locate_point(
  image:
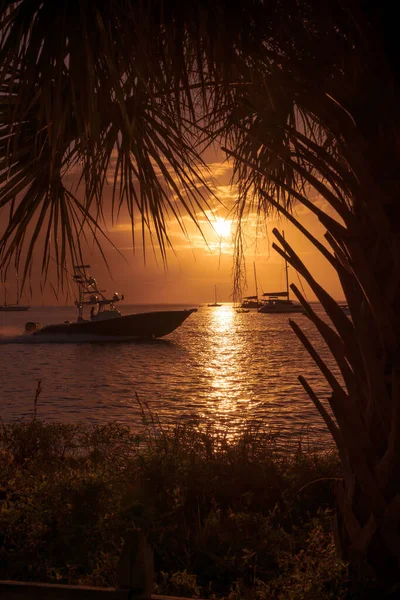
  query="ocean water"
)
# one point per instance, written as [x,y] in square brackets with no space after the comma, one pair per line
[220,367]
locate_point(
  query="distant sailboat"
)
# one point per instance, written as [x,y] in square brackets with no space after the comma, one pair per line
[280,302]
[252,301]
[215,303]
[17,307]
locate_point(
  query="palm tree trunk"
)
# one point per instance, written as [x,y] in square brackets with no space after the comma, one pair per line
[365,405]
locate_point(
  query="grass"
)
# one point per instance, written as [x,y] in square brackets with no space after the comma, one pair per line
[226,518]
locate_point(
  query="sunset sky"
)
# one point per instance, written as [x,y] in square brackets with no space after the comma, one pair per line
[195,264]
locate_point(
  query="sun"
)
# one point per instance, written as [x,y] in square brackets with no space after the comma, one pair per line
[222,227]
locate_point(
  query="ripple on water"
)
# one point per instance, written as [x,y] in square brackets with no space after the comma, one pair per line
[220,366]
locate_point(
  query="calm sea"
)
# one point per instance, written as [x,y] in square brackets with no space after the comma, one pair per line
[220,366]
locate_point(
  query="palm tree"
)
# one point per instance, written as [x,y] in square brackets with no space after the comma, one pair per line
[334,143]
[134,89]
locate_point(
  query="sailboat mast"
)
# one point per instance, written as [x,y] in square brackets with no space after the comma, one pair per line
[255,279]
[215,294]
[286,271]
[17,290]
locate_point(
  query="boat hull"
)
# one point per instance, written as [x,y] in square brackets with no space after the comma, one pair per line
[250,304]
[281,309]
[149,325]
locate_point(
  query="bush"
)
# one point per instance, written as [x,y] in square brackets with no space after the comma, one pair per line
[226,517]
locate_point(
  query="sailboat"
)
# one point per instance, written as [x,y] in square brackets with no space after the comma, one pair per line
[252,301]
[280,302]
[215,303]
[17,307]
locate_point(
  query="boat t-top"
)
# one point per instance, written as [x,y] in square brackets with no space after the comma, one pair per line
[89,295]
[105,320]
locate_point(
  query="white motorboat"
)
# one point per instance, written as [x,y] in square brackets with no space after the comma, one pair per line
[105,320]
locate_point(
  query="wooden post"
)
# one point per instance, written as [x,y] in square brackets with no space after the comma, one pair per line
[135,569]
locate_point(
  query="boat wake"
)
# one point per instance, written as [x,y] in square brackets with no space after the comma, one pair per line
[15,336]
[9,333]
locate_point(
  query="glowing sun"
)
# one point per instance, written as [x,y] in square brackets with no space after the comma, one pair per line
[222,227]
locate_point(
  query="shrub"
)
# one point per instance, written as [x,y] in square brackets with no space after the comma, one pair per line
[227,517]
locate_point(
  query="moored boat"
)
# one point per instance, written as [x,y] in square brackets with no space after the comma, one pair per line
[215,303]
[252,301]
[105,320]
[280,302]
[17,307]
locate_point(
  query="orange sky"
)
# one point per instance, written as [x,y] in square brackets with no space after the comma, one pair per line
[197,264]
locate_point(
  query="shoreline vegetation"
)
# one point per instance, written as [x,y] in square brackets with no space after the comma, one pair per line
[227,518]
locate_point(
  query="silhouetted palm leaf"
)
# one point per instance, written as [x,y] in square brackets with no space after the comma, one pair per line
[303,99]
[109,91]
[82,82]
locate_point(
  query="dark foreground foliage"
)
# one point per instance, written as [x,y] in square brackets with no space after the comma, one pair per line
[227,518]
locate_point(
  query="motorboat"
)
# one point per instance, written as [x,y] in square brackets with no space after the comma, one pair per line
[105,320]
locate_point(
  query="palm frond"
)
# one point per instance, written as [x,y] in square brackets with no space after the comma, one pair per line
[78,98]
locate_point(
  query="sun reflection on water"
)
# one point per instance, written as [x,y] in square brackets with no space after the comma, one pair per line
[222,319]
[226,357]
[221,368]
